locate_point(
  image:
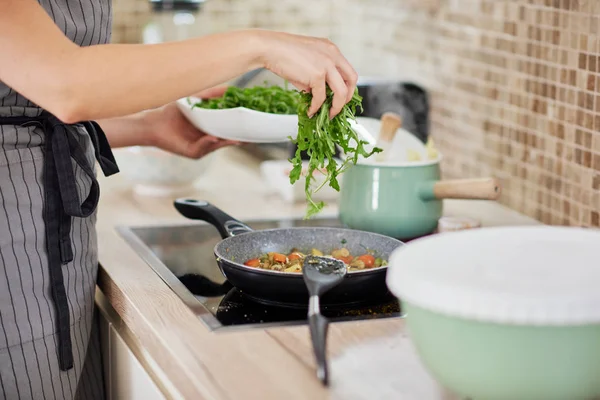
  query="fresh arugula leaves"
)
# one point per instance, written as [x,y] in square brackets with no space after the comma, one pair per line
[318,136]
[270,99]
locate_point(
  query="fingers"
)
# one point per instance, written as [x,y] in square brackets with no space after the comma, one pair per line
[223,143]
[350,76]
[216,91]
[339,75]
[200,147]
[319,94]
[300,86]
[340,91]
[206,145]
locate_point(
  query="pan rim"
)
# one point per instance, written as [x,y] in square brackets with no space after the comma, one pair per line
[223,242]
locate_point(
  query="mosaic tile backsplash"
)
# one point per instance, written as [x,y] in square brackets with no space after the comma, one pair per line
[514,85]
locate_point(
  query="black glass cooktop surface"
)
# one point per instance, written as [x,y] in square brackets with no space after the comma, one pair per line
[182,255]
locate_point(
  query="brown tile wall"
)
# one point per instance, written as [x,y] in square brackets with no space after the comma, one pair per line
[515,85]
[298,16]
[515,91]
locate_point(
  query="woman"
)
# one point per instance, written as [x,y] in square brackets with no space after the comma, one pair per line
[57,75]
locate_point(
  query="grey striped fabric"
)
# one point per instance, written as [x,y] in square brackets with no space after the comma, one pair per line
[28,346]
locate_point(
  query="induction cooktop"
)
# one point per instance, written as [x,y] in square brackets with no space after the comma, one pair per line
[182,255]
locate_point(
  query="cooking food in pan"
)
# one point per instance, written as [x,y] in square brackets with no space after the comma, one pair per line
[293,261]
[268,286]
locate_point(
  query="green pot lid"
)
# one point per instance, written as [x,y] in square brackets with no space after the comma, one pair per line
[511,275]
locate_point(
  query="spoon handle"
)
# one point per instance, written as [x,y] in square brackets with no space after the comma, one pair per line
[318,332]
[390,122]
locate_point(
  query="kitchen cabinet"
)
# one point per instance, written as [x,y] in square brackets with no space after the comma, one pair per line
[125,376]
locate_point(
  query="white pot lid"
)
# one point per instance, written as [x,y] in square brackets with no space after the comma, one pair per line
[512,275]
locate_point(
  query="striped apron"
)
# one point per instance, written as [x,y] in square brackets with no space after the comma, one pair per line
[49,345]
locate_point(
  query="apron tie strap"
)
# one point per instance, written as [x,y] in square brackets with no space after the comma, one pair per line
[62,203]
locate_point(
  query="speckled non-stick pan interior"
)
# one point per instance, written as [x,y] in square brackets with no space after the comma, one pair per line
[239,249]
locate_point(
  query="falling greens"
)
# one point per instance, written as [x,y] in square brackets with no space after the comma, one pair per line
[269,99]
[318,137]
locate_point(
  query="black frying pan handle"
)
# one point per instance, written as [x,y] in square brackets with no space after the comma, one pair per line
[204,211]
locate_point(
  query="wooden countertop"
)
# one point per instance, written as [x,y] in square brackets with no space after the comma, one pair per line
[366,358]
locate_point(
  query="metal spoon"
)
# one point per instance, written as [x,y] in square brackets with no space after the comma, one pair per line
[320,275]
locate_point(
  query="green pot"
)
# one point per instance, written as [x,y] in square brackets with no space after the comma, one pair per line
[486,361]
[403,201]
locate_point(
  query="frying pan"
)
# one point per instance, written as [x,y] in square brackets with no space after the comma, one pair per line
[240,243]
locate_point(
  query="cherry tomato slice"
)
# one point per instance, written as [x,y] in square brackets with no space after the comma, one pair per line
[255,262]
[279,258]
[368,260]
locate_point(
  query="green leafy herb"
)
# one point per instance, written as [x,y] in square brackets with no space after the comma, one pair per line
[269,99]
[318,136]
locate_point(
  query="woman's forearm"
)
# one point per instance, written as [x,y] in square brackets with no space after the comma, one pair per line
[104,81]
[153,75]
[131,130]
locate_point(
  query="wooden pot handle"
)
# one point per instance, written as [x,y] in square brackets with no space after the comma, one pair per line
[483,189]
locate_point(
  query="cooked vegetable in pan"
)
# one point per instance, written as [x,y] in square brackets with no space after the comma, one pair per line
[292,262]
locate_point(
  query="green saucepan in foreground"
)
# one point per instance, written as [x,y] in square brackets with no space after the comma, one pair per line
[403,200]
[507,313]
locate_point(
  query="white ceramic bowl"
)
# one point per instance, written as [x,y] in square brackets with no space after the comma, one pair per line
[250,126]
[156,172]
[240,123]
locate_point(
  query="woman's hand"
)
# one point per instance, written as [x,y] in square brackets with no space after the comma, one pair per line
[165,128]
[310,63]
[172,132]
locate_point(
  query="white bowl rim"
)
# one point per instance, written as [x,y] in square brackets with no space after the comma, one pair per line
[185,101]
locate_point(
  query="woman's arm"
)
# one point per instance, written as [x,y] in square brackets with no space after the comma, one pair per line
[166,128]
[83,83]
[130,130]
